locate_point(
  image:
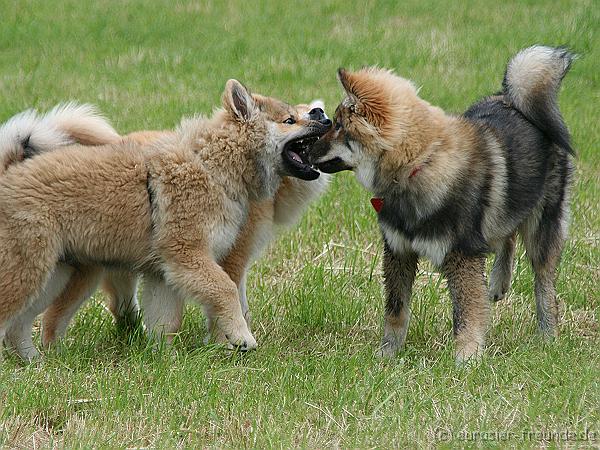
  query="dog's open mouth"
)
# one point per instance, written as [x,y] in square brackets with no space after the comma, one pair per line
[295,155]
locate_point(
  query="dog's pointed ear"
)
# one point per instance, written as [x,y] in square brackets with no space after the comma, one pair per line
[346,81]
[344,78]
[238,101]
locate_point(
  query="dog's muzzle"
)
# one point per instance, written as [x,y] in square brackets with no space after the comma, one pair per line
[318,157]
[295,151]
[332,165]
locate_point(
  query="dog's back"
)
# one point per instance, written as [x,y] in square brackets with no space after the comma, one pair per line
[524,117]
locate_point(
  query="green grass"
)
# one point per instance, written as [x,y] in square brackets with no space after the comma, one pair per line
[316,295]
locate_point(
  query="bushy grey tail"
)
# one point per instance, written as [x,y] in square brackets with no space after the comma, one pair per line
[29,133]
[531,83]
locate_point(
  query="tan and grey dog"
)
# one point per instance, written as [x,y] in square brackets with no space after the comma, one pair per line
[455,188]
[265,219]
[171,210]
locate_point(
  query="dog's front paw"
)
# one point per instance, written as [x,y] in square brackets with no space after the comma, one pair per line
[24,348]
[469,353]
[389,347]
[234,337]
[497,290]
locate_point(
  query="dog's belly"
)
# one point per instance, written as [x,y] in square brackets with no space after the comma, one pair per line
[434,249]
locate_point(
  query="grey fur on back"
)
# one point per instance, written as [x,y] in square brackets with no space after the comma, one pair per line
[531,83]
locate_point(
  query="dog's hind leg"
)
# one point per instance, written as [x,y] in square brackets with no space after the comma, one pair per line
[80,287]
[2,335]
[121,287]
[161,309]
[399,274]
[244,299]
[544,241]
[25,269]
[466,282]
[544,234]
[502,270]
[545,295]
[19,334]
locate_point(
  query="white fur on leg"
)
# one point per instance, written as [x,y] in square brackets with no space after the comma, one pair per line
[18,335]
[162,309]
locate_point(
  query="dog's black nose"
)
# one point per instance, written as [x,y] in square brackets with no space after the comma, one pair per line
[316,114]
[319,114]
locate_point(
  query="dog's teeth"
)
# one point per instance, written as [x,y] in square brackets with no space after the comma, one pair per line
[296,157]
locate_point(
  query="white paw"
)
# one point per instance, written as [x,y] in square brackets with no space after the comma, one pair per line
[28,354]
[241,339]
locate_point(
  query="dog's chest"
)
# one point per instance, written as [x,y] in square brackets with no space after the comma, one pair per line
[227,229]
[434,249]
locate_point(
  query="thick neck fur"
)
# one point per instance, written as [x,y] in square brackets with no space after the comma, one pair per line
[402,133]
[430,144]
[425,142]
[233,154]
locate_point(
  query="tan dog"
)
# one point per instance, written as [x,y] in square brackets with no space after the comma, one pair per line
[455,188]
[265,219]
[171,210]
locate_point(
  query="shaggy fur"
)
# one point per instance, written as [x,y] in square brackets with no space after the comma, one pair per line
[171,210]
[265,219]
[457,188]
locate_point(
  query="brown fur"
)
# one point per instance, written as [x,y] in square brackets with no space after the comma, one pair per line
[288,203]
[454,189]
[170,209]
[468,289]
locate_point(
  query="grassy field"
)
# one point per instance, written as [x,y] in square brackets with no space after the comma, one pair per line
[316,296]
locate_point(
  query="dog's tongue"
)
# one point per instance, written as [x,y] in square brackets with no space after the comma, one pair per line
[296,157]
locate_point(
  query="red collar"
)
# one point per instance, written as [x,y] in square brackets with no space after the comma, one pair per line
[415,171]
[377,202]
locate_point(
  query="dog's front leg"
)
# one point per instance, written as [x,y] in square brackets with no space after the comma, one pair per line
[466,282]
[399,274]
[236,266]
[249,242]
[206,281]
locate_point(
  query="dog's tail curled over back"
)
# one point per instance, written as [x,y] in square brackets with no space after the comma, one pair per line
[29,133]
[83,123]
[531,83]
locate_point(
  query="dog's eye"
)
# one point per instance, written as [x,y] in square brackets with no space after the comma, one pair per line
[289,121]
